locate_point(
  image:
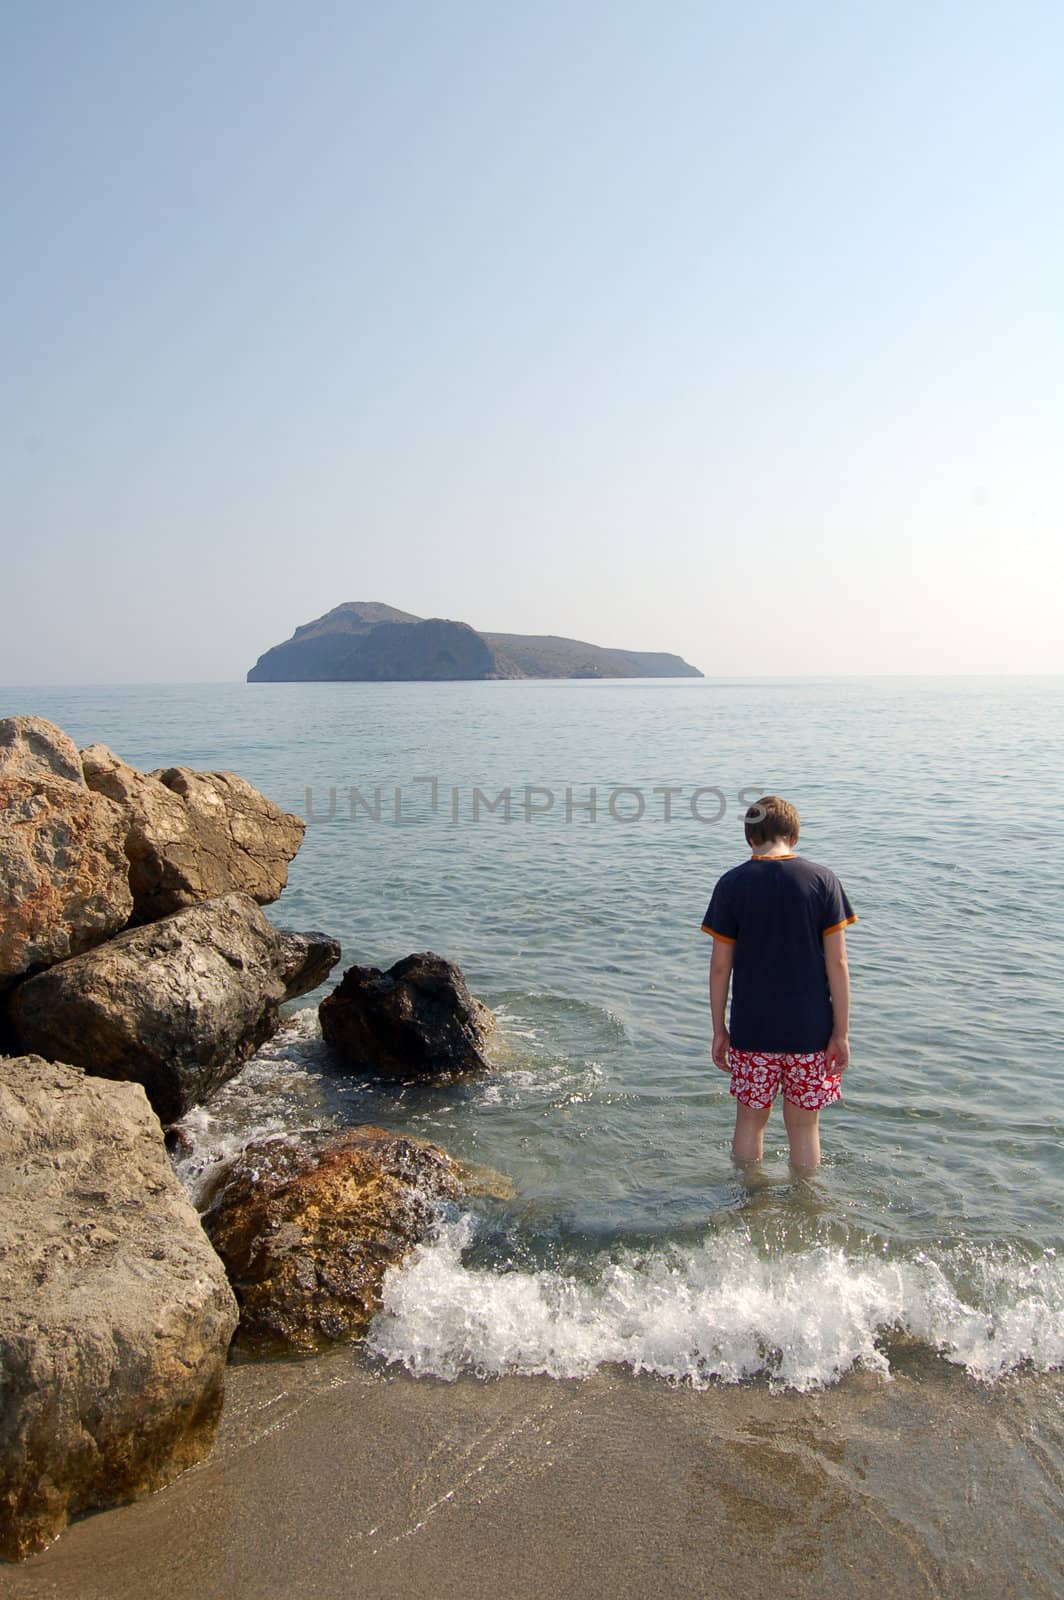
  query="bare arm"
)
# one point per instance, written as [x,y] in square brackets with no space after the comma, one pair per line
[838,971]
[720,970]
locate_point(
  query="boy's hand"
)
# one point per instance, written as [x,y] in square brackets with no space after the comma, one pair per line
[721,1045]
[838,1052]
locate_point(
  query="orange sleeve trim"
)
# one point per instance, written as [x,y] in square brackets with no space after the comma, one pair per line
[723,937]
[835,926]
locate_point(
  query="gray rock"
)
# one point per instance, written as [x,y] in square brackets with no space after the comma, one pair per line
[191,836]
[64,877]
[418,1019]
[178,1005]
[308,959]
[115,1316]
[30,747]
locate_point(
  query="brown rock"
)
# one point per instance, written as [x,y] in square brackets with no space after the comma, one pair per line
[191,836]
[257,838]
[169,868]
[64,877]
[115,1316]
[307,1232]
[418,1019]
[178,1005]
[30,747]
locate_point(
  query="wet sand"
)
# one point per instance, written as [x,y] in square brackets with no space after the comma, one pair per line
[328,1481]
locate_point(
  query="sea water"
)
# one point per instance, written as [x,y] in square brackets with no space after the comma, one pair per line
[560,841]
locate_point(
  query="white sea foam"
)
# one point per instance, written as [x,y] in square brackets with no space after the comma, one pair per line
[529,1068]
[262,1102]
[718,1312]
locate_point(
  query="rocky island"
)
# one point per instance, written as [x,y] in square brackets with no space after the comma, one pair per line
[367,642]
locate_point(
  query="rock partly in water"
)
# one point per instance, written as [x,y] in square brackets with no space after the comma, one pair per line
[416,1020]
[115,1315]
[191,836]
[64,877]
[307,959]
[30,747]
[178,1005]
[306,1233]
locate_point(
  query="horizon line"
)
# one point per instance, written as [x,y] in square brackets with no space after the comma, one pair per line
[380,683]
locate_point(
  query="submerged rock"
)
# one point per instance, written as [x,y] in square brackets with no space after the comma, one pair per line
[178,1006]
[191,836]
[115,1315]
[64,878]
[307,1232]
[418,1019]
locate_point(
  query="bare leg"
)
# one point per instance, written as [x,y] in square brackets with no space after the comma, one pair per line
[750,1124]
[803,1134]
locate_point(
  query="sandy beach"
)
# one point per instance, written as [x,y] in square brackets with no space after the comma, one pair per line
[329,1481]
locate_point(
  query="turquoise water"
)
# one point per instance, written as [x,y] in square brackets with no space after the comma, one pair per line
[940,1204]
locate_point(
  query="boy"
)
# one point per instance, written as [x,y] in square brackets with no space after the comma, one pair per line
[778,926]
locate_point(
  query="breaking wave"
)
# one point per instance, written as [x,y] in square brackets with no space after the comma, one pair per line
[720,1312]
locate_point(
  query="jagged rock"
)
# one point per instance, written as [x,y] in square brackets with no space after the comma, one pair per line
[64,877]
[418,1019]
[259,838]
[168,866]
[115,1316]
[30,747]
[191,836]
[307,1232]
[178,1005]
[308,959]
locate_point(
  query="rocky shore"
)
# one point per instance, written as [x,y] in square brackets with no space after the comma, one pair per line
[138,973]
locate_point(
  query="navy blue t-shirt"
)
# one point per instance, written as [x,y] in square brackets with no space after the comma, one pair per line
[776,910]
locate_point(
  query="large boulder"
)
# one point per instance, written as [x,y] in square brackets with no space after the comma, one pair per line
[178,1005]
[258,838]
[30,747]
[115,1315]
[307,1231]
[416,1020]
[64,877]
[191,836]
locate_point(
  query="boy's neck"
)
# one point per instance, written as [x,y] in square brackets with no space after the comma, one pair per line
[773,851]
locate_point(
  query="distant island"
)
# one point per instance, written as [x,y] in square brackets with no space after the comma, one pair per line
[367,642]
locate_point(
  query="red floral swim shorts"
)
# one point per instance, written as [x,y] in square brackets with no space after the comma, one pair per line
[756,1075]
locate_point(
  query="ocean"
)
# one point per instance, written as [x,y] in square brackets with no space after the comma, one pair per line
[560,840]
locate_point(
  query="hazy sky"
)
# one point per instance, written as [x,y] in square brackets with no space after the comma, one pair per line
[730,329]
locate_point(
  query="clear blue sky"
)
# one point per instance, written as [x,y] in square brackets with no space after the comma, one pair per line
[733,329]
